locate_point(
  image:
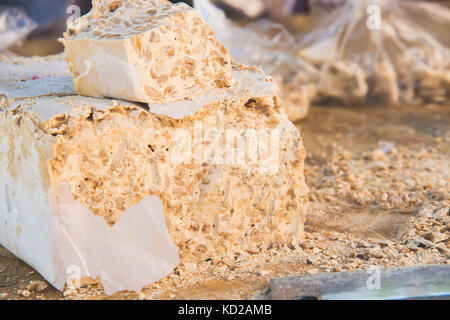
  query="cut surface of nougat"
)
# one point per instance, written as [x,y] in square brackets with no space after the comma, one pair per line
[145,51]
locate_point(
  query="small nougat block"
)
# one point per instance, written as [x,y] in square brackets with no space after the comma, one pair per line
[145,51]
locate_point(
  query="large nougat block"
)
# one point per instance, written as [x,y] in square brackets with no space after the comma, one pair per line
[145,51]
[100,184]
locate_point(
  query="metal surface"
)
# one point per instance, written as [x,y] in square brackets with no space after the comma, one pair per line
[423,282]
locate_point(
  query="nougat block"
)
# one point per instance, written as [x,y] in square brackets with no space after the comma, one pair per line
[146,51]
[119,190]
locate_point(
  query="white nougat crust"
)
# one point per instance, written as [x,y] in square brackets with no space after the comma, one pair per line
[41,222]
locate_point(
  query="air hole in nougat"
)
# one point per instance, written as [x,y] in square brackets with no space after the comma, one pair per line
[114,6]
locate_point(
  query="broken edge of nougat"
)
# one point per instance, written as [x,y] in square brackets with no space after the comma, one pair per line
[145,51]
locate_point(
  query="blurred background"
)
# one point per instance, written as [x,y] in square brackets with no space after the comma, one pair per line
[50,17]
[349,52]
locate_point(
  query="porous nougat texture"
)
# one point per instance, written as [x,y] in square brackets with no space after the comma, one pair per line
[113,158]
[145,51]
